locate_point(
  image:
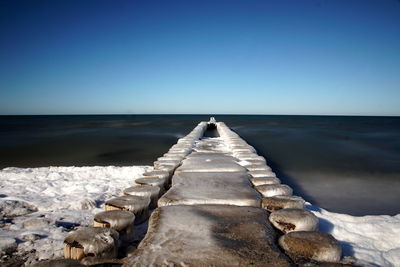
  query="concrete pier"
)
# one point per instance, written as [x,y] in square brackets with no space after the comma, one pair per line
[216,208]
[211,215]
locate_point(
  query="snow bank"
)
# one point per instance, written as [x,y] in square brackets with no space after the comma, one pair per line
[64,197]
[372,240]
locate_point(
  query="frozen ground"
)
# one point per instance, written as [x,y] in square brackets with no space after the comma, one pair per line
[65,197]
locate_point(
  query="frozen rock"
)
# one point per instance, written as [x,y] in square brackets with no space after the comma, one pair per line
[7,245]
[282,202]
[13,208]
[136,204]
[158,173]
[274,190]
[158,164]
[290,220]
[208,235]
[264,180]
[119,220]
[159,182]
[115,219]
[305,245]
[251,160]
[35,223]
[258,167]
[224,188]
[91,241]
[262,173]
[163,174]
[166,167]
[145,191]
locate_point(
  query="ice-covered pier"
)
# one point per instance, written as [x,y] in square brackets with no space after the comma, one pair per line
[213,202]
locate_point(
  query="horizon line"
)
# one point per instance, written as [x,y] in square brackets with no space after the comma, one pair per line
[197,114]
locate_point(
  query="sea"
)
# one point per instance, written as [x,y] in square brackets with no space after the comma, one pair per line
[345,164]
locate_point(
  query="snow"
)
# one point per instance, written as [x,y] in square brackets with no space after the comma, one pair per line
[372,240]
[64,196]
[61,195]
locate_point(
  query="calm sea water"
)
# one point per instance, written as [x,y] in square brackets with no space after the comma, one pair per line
[344,164]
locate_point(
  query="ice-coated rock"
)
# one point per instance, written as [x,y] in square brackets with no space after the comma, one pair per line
[158,173]
[264,180]
[119,220]
[160,182]
[95,241]
[166,167]
[145,191]
[7,245]
[208,235]
[258,167]
[250,160]
[262,173]
[306,245]
[274,190]
[290,220]
[136,204]
[13,208]
[224,188]
[158,164]
[35,223]
[282,202]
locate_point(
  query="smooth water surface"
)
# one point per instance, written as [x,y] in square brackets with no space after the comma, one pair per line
[344,164]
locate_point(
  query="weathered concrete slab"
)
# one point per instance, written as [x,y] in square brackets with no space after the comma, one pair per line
[224,188]
[205,162]
[209,235]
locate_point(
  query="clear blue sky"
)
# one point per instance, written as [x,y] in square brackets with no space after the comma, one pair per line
[232,57]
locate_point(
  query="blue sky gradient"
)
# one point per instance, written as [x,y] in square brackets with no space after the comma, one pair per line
[210,57]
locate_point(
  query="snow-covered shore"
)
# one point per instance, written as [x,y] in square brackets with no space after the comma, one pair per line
[64,197]
[372,240]
[69,196]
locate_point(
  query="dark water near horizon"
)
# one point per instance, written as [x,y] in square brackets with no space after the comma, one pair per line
[341,163]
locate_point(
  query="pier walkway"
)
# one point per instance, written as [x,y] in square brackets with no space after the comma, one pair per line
[214,209]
